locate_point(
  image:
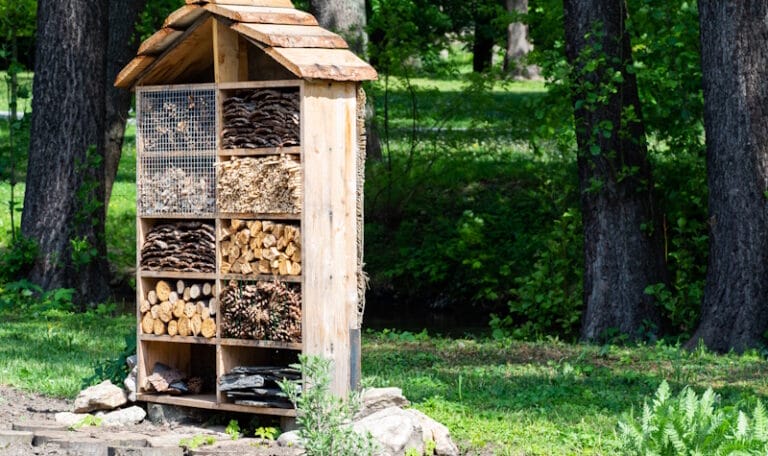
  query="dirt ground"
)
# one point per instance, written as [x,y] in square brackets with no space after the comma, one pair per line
[21,407]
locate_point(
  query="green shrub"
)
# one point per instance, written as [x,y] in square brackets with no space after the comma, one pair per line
[324,419]
[689,424]
[113,369]
[17,259]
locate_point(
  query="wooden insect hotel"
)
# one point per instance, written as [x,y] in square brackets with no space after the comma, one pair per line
[250,150]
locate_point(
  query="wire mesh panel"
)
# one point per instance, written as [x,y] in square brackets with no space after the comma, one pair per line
[176,141]
[176,119]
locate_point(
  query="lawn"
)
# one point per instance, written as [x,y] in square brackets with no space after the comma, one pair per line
[497,397]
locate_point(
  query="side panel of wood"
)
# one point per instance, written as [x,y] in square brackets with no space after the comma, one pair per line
[227,55]
[329,228]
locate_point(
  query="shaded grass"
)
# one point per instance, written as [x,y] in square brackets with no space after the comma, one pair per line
[545,398]
[53,354]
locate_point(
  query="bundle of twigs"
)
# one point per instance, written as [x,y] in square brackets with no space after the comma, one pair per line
[262,311]
[261,185]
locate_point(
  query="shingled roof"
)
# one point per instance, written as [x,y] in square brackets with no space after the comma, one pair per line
[291,37]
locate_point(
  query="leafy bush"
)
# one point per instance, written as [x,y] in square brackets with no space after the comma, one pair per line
[691,425]
[17,259]
[113,369]
[324,419]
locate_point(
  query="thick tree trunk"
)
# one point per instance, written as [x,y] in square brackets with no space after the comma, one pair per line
[518,45]
[121,47]
[346,17]
[482,46]
[623,252]
[735,70]
[64,191]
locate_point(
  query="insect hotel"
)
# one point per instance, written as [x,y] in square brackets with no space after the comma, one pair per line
[250,151]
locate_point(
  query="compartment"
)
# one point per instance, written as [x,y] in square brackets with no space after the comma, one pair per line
[267,185]
[176,183]
[178,246]
[178,308]
[163,364]
[261,310]
[258,118]
[175,119]
[249,376]
[253,247]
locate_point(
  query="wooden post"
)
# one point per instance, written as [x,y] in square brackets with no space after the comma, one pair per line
[229,57]
[329,140]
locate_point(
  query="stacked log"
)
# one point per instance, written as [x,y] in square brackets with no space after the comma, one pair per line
[168,380]
[261,311]
[261,118]
[257,386]
[180,247]
[186,309]
[269,185]
[255,247]
[175,190]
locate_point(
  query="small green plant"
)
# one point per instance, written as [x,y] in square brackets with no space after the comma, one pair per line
[324,418]
[691,425]
[113,369]
[87,421]
[196,441]
[266,433]
[233,429]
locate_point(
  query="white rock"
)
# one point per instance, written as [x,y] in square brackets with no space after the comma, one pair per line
[104,396]
[432,430]
[395,429]
[290,439]
[375,399]
[130,384]
[123,417]
[69,418]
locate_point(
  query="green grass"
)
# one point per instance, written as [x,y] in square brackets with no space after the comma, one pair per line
[544,398]
[53,354]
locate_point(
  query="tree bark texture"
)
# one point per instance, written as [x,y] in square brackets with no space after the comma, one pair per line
[518,45]
[122,45]
[735,70]
[622,249]
[345,17]
[65,175]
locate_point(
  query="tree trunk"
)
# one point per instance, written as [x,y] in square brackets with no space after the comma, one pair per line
[734,311]
[482,46]
[121,47]
[345,17]
[518,45]
[622,248]
[64,193]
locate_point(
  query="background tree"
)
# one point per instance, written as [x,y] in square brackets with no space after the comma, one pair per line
[121,47]
[63,204]
[518,44]
[346,17]
[734,58]
[622,242]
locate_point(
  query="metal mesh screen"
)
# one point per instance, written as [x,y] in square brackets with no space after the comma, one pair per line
[176,140]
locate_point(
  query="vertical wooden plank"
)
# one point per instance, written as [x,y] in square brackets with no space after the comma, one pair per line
[226,53]
[329,228]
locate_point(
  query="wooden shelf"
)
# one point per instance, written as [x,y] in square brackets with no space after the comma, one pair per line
[208,401]
[177,275]
[261,344]
[176,215]
[293,150]
[258,216]
[262,277]
[178,339]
